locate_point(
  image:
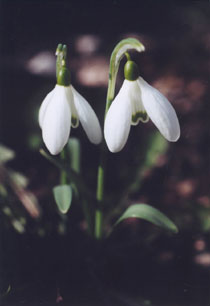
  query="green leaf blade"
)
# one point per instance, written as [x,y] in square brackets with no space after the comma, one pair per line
[6,154]
[63,197]
[73,149]
[148,213]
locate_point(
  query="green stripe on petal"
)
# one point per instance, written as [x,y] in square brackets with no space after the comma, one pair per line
[138,111]
[139,116]
[74,122]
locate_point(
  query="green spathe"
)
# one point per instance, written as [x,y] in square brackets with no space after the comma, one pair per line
[63,77]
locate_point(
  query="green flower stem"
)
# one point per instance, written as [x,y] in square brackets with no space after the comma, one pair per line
[101,168]
[61,53]
[128,56]
[63,175]
[119,51]
[100,195]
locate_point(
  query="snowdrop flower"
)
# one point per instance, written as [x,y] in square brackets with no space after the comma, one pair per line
[138,101]
[62,108]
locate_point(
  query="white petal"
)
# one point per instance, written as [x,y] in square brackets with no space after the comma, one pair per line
[44,106]
[87,117]
[57,121]
[74,114]
[160,111]
[118,120]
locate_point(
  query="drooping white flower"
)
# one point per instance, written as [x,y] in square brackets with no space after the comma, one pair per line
[138,101]
[62,108]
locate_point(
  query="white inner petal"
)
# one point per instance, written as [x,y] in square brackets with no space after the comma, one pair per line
[138,110]
[160,111]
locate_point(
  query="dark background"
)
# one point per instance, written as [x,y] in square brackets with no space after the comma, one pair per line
[137,264]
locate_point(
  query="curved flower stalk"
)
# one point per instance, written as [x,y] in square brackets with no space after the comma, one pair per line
[119,51]
[138,101]
[64,107]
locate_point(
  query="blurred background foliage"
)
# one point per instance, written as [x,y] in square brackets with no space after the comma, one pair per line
[42,249]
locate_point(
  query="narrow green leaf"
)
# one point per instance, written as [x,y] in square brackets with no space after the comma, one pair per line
[20,179]
[73,176]
[3,191]
[6,154]
[149,213]
[63,197]
[6,292]
[157,145]
[73,147]
[18,226]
